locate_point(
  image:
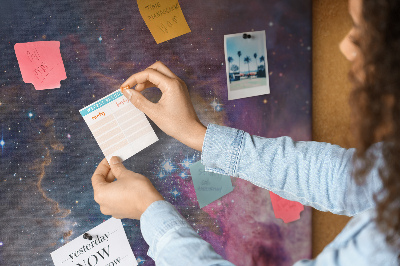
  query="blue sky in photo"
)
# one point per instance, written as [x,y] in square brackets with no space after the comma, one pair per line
[248,47]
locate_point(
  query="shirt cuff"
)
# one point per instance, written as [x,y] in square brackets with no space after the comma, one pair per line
[158,219]
[222,148]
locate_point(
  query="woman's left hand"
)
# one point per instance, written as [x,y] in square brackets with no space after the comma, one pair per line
[127,197]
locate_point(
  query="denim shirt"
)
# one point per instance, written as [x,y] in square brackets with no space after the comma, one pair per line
[312,173]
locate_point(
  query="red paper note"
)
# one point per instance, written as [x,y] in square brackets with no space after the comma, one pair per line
[286,210]
[41,63]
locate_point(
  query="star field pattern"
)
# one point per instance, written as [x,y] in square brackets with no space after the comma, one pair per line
[48,154]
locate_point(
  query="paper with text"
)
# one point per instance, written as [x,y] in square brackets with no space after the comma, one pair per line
[118,126]
[209,186]
[284,209]
[164,18]
[109,246]
[41,63]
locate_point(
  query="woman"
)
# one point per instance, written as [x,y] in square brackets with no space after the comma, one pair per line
[360,182]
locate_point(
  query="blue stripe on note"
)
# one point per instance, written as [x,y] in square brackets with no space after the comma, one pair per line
[96,105]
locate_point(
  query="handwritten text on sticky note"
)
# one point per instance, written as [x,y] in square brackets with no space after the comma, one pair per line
[108,246]
[209,186]
[164,18]
[284,209]
[41,63]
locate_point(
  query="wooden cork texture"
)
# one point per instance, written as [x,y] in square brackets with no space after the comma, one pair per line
[331,89]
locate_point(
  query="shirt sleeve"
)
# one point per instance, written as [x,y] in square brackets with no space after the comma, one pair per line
[172,241]
[316,174]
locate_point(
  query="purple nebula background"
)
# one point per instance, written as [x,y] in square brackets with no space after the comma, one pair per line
[49,154]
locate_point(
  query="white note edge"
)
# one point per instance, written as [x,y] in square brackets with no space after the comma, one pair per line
[108,247]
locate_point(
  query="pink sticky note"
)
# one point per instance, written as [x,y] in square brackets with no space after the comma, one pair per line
[41,63]
[284,209]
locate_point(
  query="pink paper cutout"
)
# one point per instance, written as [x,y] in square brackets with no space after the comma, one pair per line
[41,63]
[284,209]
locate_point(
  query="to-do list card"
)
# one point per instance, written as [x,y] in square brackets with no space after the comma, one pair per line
[118,126]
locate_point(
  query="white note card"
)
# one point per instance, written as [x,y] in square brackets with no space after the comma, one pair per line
[118,126]
[109,247]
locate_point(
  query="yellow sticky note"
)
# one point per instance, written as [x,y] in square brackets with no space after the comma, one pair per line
[164,18]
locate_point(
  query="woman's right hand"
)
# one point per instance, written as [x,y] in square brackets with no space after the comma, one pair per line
[173,113]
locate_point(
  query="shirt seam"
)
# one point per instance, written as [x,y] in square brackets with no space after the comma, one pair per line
[238,152]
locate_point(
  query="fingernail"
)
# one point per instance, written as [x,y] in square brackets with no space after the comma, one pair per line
[129,92]
[115,160]
[124,88]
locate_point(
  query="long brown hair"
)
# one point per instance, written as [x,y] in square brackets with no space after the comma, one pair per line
[375,101]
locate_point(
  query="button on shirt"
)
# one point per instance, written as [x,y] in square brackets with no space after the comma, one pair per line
[312,173]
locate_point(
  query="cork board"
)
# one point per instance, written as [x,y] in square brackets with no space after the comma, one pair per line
[331,89]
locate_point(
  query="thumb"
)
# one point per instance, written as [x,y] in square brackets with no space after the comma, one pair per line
[117,167]
[138,100]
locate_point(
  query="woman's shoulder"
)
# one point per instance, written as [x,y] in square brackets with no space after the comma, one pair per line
[361,240]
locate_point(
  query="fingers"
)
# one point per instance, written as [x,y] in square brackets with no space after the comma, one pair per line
[100,175]
[160,67]
[107,211]
[156,75]
[104,210]
[143,86]
[117,167]
[110,177]
[118,216]
[159,80]
[140,102]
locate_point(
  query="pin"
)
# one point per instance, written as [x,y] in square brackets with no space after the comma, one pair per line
[246,36]
[87,236]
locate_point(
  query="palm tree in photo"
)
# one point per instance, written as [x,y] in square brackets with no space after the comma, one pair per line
[230,60]
[239,54]
[247,60]
[234,68]
[255,60]
[262,59]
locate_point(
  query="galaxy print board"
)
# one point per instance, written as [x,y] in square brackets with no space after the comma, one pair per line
[48,153]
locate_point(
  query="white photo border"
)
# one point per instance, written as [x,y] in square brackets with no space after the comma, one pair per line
[248,92]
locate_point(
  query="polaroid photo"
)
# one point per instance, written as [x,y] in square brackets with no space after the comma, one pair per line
[246,64]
